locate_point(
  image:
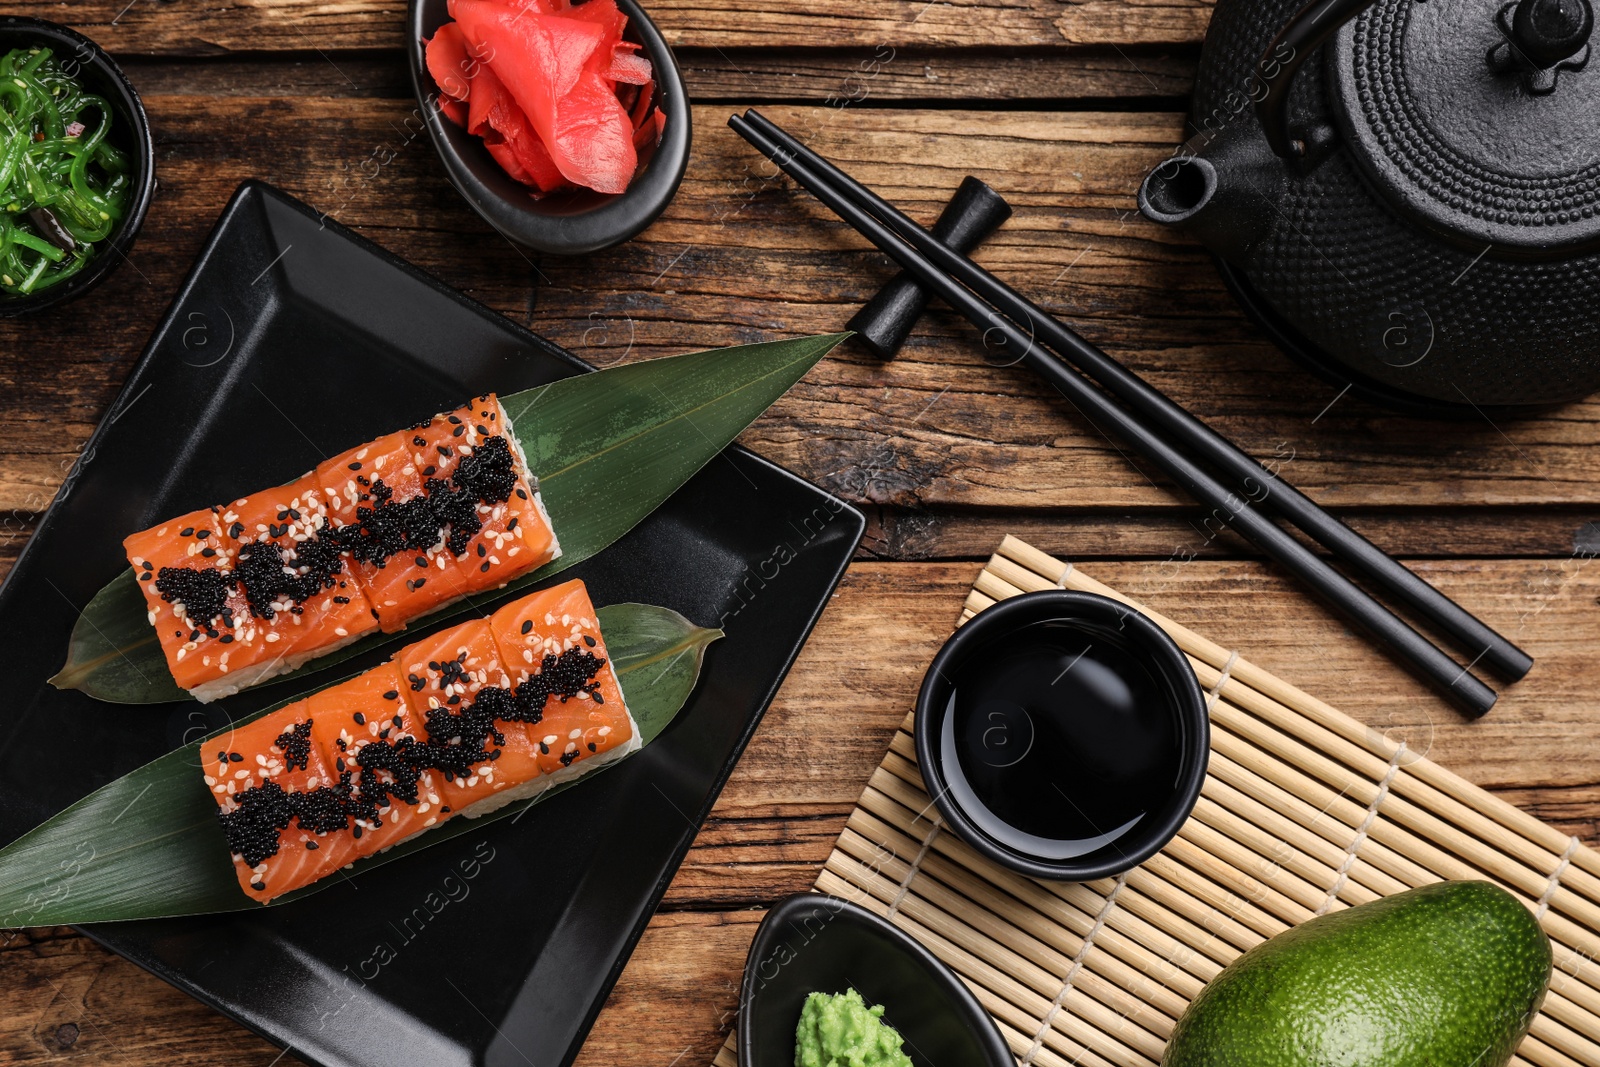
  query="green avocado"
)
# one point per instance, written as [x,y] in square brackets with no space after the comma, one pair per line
[1448,975]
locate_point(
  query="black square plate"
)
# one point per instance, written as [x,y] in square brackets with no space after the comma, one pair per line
[500,946]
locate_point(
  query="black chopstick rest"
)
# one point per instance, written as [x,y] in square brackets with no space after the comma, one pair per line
[885,321]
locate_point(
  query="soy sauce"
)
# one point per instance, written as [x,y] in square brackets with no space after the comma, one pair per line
[1058,741]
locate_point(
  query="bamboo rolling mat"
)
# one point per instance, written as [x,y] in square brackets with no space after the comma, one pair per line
[1304,811]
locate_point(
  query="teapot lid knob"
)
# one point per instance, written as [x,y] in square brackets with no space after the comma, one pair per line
[1548,31]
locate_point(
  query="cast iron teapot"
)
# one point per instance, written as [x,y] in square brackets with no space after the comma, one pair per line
[1417,214]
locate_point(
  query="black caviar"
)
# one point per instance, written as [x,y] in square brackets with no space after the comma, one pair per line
[382,529]
[457,742]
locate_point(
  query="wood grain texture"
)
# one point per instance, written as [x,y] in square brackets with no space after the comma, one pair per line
[149,27]
[789,797]
[739,257]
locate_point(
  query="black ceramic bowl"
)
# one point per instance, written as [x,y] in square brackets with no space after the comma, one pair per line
[1166,676]
[812,943]
[130,132]
[565,223]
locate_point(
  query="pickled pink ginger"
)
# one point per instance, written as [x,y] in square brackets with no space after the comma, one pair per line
[548,86]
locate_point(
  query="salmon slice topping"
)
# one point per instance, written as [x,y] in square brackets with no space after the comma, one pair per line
[375,536]
[451,725]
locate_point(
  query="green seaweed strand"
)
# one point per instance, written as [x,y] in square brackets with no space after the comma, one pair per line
[54,155]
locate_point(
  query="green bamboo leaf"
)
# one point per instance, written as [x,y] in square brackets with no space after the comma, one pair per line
[148,845]
[608,449]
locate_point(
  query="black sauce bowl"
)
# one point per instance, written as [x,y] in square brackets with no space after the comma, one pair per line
[1134,635]
[812,943]
[130,131]
[570,222]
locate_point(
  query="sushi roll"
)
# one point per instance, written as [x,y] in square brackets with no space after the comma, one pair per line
[374,537]
[461,723]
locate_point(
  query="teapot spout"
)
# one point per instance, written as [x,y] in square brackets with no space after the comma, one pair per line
[1224,188]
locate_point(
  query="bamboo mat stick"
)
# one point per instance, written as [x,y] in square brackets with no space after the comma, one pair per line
[1042,916]
[1026,985]
[1304,810]
[1077,900]
[1163,932]
[1001,993]
[1024,942]
[1194,920]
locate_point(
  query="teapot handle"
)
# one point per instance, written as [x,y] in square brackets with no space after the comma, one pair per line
[1311,26]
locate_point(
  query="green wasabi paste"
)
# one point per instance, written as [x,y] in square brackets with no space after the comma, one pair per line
[840,1030]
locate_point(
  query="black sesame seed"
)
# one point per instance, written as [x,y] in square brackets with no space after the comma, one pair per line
[392,695]
[311,845]
[588,640]
[187,531]
[259,887]
[527,625]
[361,720]
[482,551]
[355,466]
[235,757]
[397,721]
[484,568]
[202,534]
[227,639]
[422,561]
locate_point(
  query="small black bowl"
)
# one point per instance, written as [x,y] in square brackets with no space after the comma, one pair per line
[130,132]
[810,943]
[569,222]
[1164,674]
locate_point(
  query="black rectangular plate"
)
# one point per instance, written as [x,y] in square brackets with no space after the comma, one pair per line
[500,946]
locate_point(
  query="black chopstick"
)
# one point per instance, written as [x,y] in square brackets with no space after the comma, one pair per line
[1471,635]
[1455,682]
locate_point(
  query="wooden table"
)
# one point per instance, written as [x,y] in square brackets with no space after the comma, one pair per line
[1062,106]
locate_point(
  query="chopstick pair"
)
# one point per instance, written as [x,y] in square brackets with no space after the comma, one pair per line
[1157,426]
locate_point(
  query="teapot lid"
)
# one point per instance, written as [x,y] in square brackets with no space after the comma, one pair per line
[1477,117]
